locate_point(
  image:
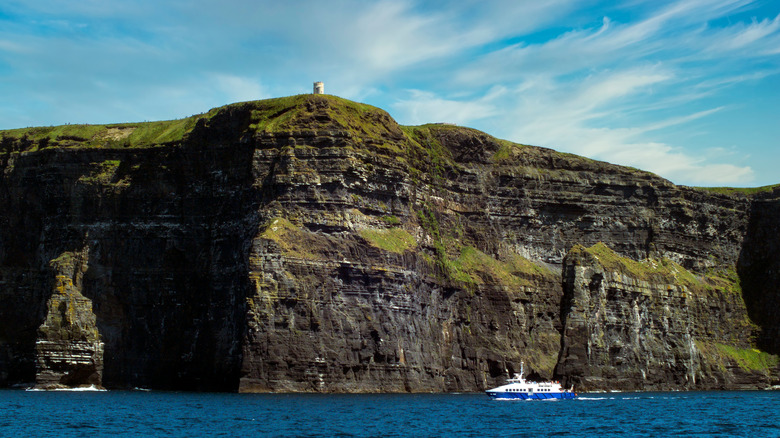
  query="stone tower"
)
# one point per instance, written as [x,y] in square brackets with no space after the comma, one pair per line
[319,87]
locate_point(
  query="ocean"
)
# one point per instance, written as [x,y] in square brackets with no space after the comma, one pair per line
[171,414]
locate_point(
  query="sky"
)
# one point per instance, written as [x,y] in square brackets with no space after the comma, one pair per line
[689,90]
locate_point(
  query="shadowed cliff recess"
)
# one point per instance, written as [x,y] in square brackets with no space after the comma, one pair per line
[310,243]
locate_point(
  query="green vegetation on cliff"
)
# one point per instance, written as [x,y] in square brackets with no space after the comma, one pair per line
[294,241]
[749,359]
[740,190]
[285,114]
[460,262]
[655,270]
[475,267]
[103,173]
[395,239]
[305,111]
[663,270]
[143,134]
[430,146]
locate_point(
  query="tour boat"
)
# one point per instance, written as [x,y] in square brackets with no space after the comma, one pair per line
[519,388]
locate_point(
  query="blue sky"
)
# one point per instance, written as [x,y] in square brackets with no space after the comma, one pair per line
[687,89]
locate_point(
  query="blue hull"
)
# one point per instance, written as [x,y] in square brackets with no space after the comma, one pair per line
[534,396]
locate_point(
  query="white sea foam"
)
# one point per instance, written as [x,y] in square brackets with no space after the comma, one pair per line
[91,388]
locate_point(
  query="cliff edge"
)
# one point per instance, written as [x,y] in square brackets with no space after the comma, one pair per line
[310,243]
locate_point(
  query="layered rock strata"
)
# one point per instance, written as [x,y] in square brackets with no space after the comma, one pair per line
[68,349]
[312,244]
[653,325]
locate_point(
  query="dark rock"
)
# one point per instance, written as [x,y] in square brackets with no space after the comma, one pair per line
[312,244]
[639,326]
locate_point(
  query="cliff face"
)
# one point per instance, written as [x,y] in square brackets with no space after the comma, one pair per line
[759,268]
[637,325]
[312,244]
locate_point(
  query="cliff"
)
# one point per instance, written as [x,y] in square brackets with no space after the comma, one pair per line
[311,243]
[653,325]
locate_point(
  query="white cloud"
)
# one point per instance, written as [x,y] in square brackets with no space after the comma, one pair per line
[580,117]
[740,36]
[424,107]
[674,121]
[605,91]
[237,89]
[603,81]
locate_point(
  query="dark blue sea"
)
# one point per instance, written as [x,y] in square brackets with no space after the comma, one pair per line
[164,414]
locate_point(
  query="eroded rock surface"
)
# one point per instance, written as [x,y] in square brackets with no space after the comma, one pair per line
[312,244]
[652,325]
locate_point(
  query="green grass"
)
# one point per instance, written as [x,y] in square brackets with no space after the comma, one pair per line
[396,240]
[507,152]
[468,265]
[426,152]
[740,190]
[663,270]
[152,133]
[103,173]
[429,223]
[319,112]
[749,359]
[285,114]
[725,279]
[76,132]
[473,266]
[391,220]
[293,241]
[143,134]
[721,279]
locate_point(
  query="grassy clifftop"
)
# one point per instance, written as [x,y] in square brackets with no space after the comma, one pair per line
[437,145]
[741,190]
[141,134]
[268,116]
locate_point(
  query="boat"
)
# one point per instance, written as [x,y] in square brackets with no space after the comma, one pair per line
[521,389]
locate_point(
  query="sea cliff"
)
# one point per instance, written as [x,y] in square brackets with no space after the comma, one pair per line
[311,243]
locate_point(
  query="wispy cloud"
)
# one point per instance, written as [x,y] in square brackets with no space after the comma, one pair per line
[239,88]
[605,91]
[604,79]
[740,36]
[424,107]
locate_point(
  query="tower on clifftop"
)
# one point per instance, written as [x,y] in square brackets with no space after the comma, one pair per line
[319,87]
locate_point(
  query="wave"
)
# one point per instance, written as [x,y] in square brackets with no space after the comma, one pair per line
[91,388]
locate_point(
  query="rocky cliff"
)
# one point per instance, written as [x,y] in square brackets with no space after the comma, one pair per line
[652,324]
[312,244]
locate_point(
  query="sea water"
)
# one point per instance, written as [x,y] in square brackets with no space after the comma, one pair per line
[166,414]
